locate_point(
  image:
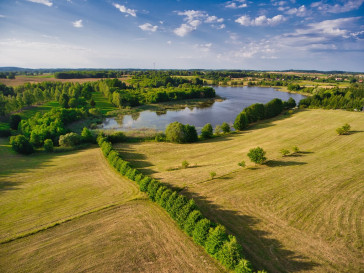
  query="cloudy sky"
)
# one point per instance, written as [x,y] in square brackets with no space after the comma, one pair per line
[236,34]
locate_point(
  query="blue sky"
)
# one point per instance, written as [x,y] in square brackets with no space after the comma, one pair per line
[183,34]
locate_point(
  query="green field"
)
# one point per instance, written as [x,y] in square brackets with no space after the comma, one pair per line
[102,103]
[303,212]
[69,212]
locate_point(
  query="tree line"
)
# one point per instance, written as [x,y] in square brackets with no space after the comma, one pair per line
[213,237]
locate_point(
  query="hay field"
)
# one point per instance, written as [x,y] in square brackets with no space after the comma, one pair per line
[299,213]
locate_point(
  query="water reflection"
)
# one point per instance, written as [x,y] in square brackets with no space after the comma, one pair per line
[214,112]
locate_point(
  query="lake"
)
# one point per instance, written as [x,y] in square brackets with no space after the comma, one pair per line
[235,100]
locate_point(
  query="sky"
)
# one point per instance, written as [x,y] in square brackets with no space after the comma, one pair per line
[183,34]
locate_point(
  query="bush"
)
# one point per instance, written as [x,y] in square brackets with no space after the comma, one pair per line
[212,174]
[257,155]
[160,137]
[87,136]
[185,164]
[117,137]
[215,239]
[218,130]
[106,148]
[191,133]
[153,188]
[14,121]
[343,130]
[124,167]
[94,112]
[206,131]
[183,213]
[138,178]
[244,266]
[225,127]
[242,164]
[159,193]
[273,108]
[144,183]
[179,133]
[290,103]
[69,140]
[230,253]
[255,112]
[48,145]
[36,139]
[295,149]
[191,221]
[21,144]
[241,122]
[284,152]
[178,204]
[201,231]
[170,202]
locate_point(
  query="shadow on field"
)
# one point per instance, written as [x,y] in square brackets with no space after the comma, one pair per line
[263,251]
[279,163]
[137,160]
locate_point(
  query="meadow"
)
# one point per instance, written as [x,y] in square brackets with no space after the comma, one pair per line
[67,212]
[302,212]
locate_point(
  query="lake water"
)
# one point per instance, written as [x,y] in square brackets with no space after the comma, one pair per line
[236,99]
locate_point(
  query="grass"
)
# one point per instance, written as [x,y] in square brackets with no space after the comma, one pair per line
[102,103]
[303,212]
[70,212]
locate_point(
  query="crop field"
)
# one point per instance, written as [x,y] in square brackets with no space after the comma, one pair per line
[68,212]
[303,212]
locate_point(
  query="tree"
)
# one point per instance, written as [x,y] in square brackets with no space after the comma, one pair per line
[70,140]
[185,164]
[201,231]
[179,133]
[284,152]
[63,100]
[257,155]
[218,129]
[48,145]
[212,174]
[215,239]
[225,127]
[207,131]
[14,121]
[87,135]
[230,253]
[21,144]
[92,103]
[241,121]
[344,130]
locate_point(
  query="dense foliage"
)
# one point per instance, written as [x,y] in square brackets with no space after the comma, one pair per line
[257,155]
[180,133]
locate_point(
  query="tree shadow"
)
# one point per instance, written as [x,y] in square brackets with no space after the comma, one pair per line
[258,245]
[355,132]
[279,163]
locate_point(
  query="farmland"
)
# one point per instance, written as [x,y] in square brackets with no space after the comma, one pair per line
[73,207]
[303,212]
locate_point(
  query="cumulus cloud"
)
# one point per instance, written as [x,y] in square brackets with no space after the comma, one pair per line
[204,47]
[44,2]
[77,23]
[236,4]
[346,6]
[194,18]
[126,10]
[262,20]
[301,11]
[148,27]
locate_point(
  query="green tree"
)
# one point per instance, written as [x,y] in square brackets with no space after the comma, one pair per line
[243,266]
[257,155]
[14,121]
[207,131]
[241,122]
[284,152]
[344,130]
[21,144]
[63,100]
[87,135]
[216,238]
[225,127]
[175,132]
[230,253]
[201,231]
[69,140]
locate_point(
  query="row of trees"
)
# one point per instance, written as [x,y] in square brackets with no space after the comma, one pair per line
[211,236]
[259,111]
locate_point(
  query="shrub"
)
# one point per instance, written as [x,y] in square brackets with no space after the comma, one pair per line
[87,136]
[201,231]
[178,204]
[164,198]
[69,140]
[138,178]
[206,131]
[230,253]
[179,133]
[185,164]
[191,221]
[244,266]
[21,144]
[216,238]
[242,164]
[132,173]
[159,193]
[343,130]
[212,174]
[255,112]
[295,149]
[225,127]
[273,108]
[117,137]
[36,139]
[218,129]
[94,112]
[241,121]
[284,152]
[124,167]
[257,155]
[111,156]
[48,145]
[170,202]
[183,213]
[14,121]
[144,183]
[191,133]
[290,103]
[160,137]
[106,148]
[101,139]
[153,188]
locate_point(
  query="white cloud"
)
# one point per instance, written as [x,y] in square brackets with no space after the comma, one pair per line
[262,20]
[222,26]
[2,16]
[237,4]
[44,2]
[301,11]
[77,23]
[124,9]
[204,47]
[347,5]
[169,42]
[148,27]
[214,19]
[183,30]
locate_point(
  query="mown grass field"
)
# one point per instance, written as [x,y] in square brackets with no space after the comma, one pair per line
[303,212]
[70,212]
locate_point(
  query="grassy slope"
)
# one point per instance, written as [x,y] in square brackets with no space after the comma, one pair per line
[112,226]
[297,213]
